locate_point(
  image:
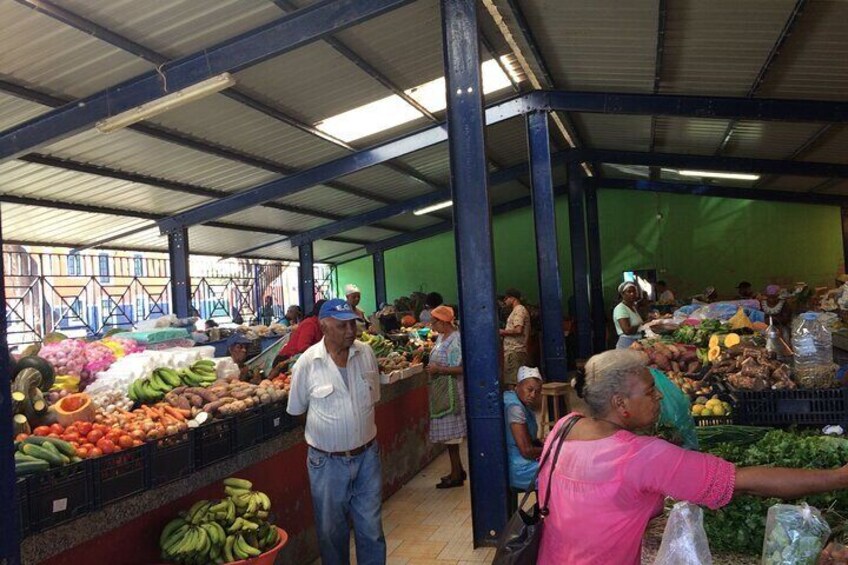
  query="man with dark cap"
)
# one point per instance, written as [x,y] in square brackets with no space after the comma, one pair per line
[515,336]
[744,291]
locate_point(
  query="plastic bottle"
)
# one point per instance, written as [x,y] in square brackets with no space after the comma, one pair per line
[812,342]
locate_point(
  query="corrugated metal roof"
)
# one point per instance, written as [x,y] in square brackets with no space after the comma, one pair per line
[324,249]
[228,123]
[331,201]
[131,151]
[434,162]
[386,182]
[506,142]
[687,135]
[368,233]
[276,219]
[39,50]
[177,27]
[609,131]
[14,111]
[833,149]
[768,140]
[815,63]
[596,44]
[838,188]
[718,47]
[39,181]
[624,171]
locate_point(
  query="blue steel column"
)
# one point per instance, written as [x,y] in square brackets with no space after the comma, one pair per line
[845,238]
[307,278]
[379,278]
[596,281]
[579,260]
[475,267]
[10,540]
[547,250]
[180,277]
[257,290]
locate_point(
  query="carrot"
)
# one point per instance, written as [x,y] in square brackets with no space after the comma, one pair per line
[150,412]
[174,412]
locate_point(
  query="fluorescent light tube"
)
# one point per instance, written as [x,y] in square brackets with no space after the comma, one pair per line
[434,207]
[167,102]
[713,175]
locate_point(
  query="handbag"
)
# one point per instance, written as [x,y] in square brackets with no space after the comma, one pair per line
[443,396]
[519,542]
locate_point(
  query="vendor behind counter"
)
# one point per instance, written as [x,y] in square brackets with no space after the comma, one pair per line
[237,345]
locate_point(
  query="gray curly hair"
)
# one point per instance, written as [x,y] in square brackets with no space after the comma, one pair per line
[606,376]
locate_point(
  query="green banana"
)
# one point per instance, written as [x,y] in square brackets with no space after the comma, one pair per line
[211,532]
[228,549]
[168,376]
[264,501]
[157,384]
[234,492]
[236,483]
[169,529]
[236,526]
[245,547]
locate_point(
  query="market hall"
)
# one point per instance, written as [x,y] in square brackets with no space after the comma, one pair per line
[172,163]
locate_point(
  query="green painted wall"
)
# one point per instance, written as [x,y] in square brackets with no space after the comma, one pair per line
[360,273]
[691,241]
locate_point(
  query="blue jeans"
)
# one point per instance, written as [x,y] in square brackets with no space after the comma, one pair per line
[348,490]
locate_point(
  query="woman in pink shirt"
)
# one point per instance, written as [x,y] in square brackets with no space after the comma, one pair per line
[609,482]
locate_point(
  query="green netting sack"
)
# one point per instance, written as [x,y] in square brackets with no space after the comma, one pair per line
[675,410]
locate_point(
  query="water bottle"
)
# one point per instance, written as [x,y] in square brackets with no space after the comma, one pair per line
[813,350]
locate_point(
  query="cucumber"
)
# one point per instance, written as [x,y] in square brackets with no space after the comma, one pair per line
[22,458]
[54,459]
[61,446]
[27,467]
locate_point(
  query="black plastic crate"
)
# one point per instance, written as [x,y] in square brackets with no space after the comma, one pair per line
[213,442]
[275,419]
[59,495]
[249,430]
[122,474]
[800,407]
[22,496]
[171,458]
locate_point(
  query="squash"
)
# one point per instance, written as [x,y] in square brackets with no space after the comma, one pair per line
[713,353]
[731,340]
[40,365]
[73,408]
[714,341]
[740,321]
[21,425]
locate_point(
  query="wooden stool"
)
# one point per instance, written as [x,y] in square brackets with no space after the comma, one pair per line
[553,392]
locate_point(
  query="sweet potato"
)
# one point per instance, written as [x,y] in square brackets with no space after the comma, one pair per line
[662,362]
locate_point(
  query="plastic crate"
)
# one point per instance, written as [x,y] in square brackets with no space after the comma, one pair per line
[213,442]
[59,495]
[800,407]
[702,421]
[249,428]
[119,475]
[22,496]
[275,419]
[171,458]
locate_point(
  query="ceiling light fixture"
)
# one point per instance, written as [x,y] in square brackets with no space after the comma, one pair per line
[167,102]
[434,207]
[714,175]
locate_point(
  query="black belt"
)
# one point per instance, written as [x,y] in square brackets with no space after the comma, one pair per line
[351,453]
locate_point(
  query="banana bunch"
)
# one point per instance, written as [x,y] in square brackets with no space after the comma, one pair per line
[380,345]
[163,380]
[231,529]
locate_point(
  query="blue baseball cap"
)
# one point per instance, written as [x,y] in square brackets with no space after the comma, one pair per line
[338,309]
[236,339]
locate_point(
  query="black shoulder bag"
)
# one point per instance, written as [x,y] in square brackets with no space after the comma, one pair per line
[519,542]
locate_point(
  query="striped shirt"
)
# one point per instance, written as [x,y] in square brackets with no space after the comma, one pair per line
[339,415]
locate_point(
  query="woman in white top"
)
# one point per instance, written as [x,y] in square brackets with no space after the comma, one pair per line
[625,316]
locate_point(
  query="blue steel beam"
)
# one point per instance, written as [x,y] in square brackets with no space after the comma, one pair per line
[180,272]
[712,107]
[596,282]
[475,269]
[547,250]
[379,262]
[306,271]
[339,167]
[579,261]
[10,535]
[233,55]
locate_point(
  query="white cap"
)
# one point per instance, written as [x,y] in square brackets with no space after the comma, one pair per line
[528,373]
[351,289]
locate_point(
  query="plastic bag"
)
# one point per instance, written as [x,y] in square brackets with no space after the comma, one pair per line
[795,535]
[675,409]
[684,540]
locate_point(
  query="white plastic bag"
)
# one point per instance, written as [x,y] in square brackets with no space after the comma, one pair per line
[684,540]
[795,535]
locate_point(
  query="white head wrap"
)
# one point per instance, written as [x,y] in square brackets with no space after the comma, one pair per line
[351,289]
[528,373]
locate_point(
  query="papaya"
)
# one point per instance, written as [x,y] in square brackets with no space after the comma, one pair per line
[714,353]
[731,340]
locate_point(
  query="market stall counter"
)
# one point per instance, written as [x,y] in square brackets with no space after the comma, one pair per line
[127,530]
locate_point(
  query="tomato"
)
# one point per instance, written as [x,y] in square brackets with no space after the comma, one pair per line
[57,436]
[103,428]
[72,429]
[84,428]
[21,437]
[114,435]
[125,441]
[137,442]
[82,452]
[41,430]
[106,446]
[71,437]
[94,452]
[57,429]
[94,436]
[75,444]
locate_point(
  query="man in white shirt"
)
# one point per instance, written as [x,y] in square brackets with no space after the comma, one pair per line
[336,383]
[515,337]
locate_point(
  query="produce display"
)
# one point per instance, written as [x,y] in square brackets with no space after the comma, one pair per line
[752,368]
[224,397]
[391,357]
[678,358]
[163,380]
[38,453]
[221,531]
[77,441]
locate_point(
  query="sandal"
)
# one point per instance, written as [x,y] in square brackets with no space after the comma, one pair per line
[450,483]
